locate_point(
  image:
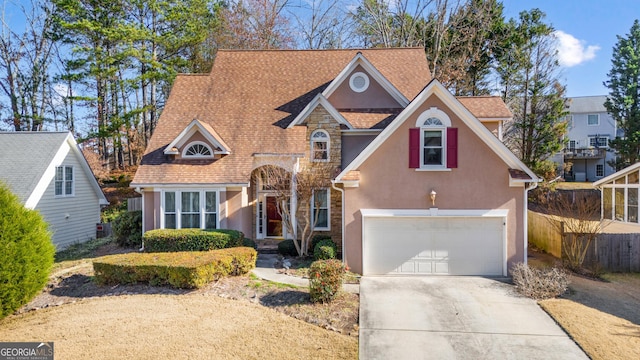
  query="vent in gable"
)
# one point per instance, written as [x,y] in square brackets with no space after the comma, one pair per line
[359,82]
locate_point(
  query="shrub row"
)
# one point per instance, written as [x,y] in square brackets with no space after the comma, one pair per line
[178,269]
[171,240]
[539,283]
[287,248]
[325,280]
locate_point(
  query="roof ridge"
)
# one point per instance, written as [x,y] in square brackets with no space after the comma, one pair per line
[320,50]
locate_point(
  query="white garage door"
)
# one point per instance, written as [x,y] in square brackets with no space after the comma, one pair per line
[433,245]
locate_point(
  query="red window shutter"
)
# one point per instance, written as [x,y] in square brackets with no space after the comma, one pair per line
[452,148]
[414,148]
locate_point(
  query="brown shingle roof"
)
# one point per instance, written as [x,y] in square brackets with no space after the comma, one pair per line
[486,107]
[369,120]
[250,97]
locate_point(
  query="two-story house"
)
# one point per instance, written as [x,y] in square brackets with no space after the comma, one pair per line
[421,182]
[587,154]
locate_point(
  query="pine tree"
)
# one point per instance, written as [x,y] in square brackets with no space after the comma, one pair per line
[623,102]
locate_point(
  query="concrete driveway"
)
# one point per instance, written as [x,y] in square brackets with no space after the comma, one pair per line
[455,317]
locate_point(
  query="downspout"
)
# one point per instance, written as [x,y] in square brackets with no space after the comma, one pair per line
[526,218]
[344,249]
[139,190]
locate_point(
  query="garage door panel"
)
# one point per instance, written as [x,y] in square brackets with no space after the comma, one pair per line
[432,245]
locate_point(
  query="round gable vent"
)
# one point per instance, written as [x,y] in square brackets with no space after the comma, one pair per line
[359,82]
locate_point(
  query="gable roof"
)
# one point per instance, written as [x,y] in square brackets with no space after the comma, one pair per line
[436,88]
[249,99]
[196,126]
[587,104]
[28,175]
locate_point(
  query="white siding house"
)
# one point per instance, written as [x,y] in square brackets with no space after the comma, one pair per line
[48,173]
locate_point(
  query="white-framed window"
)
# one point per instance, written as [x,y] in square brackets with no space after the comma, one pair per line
[320,142]
[63,183]
[320,208]
[572,145]
[593,119]
[197,149]
[187,209]
[599,170]
[599,141]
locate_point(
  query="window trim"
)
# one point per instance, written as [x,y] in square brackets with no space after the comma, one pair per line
[596,140]
[445,123]
[601,168]
[64,181]
[313,210]
[597,120]
[326,140]
[178,206]
[197,156]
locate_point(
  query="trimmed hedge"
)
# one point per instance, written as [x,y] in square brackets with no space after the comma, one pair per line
[287,247]
[127,229]
[317,238]
[26,253]
[172,240]
[325,250]
[325,279]
[178,269]
[249,243]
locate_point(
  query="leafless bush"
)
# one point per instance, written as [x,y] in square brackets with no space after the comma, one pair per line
[539,283]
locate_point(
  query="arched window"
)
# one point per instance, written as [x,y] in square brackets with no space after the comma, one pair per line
[197,149]
[320,145]
[433,144]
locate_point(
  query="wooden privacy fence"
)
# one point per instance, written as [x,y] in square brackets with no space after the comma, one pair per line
[614,252]
[134,204]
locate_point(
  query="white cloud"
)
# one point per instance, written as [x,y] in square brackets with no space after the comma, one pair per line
[572,51]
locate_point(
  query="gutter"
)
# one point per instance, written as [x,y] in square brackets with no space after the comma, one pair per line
[344,250]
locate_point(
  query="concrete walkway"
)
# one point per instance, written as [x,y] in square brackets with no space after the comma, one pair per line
[455,317]
[265,269]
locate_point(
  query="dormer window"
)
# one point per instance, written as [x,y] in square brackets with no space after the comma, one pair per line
[320,146]
[197,149]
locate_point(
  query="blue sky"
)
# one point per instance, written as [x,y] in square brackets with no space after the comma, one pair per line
[594,24]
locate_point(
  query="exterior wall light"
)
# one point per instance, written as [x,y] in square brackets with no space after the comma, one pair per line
[433,197]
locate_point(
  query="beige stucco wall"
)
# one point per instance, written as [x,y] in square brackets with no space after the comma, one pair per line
[239,217]
[480,182]
[151,204]
[375,97]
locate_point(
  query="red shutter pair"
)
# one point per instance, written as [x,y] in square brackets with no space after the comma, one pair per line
[452,148]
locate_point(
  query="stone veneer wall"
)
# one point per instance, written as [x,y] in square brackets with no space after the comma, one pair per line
[320,119]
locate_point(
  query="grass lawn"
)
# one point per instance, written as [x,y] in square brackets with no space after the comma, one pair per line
[193,326]
[603,317]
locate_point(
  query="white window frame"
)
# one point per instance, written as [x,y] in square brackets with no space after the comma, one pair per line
[600,170]
[597,119]
[326,140]
[64,181]
[178,206]
[328,208]
[571,145]
[595,140]
[426,123]
[197,156]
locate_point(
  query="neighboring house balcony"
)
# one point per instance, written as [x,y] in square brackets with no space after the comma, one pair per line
[593,153]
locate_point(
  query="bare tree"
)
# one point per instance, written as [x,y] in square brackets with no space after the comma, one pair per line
[577,218]
[294,194]
[323,24]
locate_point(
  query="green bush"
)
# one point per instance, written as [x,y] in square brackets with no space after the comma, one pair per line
[171,240]
[287,248]
[26,253]
[249,243]
[325,279]
[127,229]
[178,269]
[325,250]
[317,238]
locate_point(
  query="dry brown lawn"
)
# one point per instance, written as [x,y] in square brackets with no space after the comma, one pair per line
[188,326]
[601,335]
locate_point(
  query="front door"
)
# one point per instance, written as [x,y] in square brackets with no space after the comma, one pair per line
[273,218]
